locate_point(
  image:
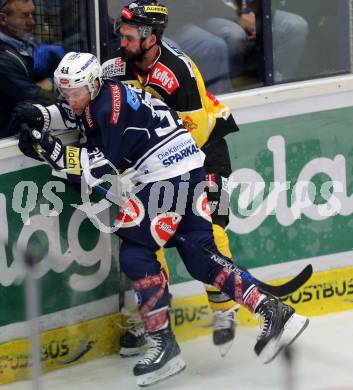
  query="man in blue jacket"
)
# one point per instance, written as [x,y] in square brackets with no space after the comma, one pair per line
[24,71]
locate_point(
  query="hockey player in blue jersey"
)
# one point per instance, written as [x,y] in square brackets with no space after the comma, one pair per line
[147,143]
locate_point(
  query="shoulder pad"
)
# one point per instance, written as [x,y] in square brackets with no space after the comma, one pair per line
[172,48]
[181,56]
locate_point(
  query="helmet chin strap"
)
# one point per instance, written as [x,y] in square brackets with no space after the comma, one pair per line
[143,51]
[95,92]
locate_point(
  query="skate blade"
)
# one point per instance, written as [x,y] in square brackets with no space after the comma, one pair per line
[173,367]
[225,348]
[291,331]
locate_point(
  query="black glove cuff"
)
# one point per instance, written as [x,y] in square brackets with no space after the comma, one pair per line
[46,116]
[28,147]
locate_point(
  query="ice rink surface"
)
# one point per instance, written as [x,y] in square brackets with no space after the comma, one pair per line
[322,360]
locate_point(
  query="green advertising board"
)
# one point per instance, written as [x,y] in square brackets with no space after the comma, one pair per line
[302,220]
[291,199]
[76,263]
[291,191]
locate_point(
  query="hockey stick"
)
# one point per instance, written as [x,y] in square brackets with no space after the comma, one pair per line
[121,291]
[281,290]
[32,308]
[122,284]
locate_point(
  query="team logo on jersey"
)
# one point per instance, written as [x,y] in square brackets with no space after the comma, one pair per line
[131,98]
[189,124]
[213,98]
[223,110]
[131,213]
[120,65]
[203,207]
[163,227]
[113,68]
[116,103]
[88,116]
[164,78]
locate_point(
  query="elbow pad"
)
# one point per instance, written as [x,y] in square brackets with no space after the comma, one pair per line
[62,117]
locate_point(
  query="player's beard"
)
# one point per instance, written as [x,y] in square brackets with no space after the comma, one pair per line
[133,57]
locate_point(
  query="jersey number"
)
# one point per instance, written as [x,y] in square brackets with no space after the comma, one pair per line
[170,126]
[169,122]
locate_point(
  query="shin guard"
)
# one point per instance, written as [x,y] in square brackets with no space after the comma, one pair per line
[153,301]
[239,289]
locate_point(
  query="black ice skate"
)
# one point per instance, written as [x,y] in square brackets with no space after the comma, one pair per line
[224,329]
[280,328]
[161,360]
[134,341]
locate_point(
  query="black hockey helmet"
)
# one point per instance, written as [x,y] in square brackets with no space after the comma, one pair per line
[146,13]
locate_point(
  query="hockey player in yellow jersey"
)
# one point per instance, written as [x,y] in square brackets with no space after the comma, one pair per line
[149,63]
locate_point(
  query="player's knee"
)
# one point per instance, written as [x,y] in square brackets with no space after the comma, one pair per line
[137,261]
[126,265]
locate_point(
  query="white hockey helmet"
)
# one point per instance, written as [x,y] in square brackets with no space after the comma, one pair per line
[77,70]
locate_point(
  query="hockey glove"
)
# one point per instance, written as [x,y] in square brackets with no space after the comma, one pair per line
[28,147]
[34,116]
[49,147]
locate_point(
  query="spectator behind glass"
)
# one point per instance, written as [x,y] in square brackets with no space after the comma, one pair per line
[25,67]
[210,33]
[289,34]
[207,40]
[220,35]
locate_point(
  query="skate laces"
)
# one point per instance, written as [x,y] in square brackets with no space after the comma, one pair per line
[225,319]
[134,323]
[264,321]
[264,324]
[155,346]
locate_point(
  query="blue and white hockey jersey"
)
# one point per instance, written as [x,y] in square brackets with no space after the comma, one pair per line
[138,134]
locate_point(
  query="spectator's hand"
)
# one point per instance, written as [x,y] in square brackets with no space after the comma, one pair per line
[34,116]
[46,59]
[248,22]
[46,84]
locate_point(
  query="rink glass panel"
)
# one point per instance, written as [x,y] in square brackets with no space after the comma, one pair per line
[327,48]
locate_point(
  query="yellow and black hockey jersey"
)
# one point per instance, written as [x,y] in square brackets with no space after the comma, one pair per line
[175,80]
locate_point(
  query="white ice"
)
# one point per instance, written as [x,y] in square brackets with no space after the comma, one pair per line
[322,360]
